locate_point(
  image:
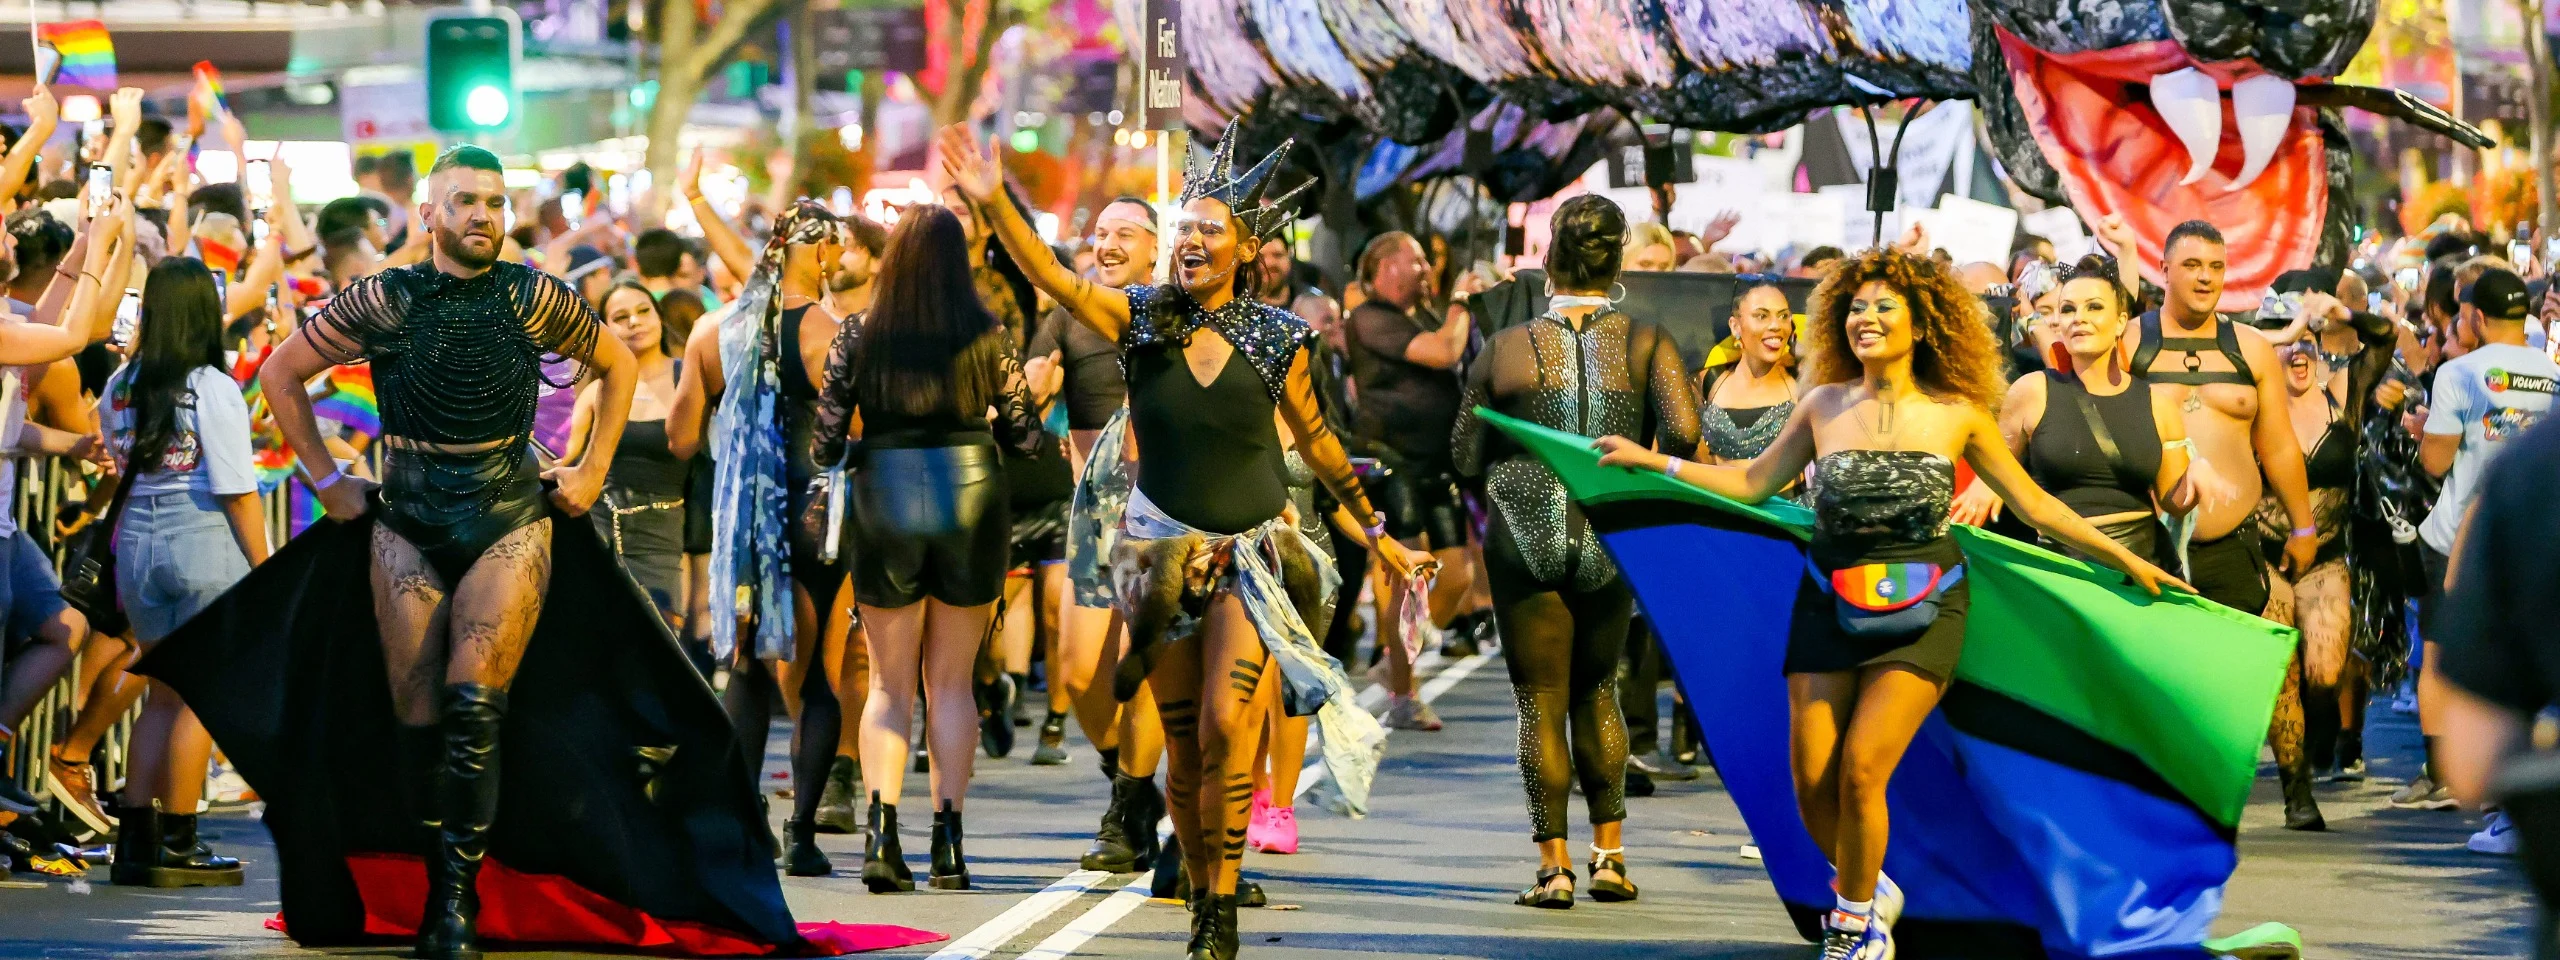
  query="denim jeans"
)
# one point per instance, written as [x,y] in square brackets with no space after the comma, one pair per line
[175,554]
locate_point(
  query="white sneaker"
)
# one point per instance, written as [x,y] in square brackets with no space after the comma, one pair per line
[1846,937]
[1888,900]
[2497,838]
[1410,713]
[2424,794]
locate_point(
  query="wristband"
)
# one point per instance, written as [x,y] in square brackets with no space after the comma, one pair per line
[1671,467]
[1377,528]
[2306,531]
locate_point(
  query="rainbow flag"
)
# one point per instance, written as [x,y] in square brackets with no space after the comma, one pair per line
[211,79]
[221,258]
[349,399]
[88,56]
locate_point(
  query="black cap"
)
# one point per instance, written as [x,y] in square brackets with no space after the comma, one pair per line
[2500,295]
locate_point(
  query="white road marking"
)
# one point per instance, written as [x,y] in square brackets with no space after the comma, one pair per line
[989,936]
[978,943]
[1064,942]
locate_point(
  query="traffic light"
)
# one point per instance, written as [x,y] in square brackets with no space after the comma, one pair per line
[471,71]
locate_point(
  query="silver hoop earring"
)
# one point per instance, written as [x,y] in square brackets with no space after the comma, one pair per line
[1621,292]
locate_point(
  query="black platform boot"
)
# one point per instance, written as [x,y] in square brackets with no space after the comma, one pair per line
[1111,851]
[1171,881]
[1138,820]
[801,856]
[184,860]
[137,829]
[467,804]
[2301,811]
[1213,928]
[950,865]
[884,867]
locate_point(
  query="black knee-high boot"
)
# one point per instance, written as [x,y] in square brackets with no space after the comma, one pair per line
[467,805]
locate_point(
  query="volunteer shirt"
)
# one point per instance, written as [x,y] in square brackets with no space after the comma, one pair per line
[2490,396]
[209,450]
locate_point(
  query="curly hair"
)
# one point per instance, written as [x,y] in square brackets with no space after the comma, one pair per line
[1953,354]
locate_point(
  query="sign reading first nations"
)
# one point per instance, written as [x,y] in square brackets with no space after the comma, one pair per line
[1161,67]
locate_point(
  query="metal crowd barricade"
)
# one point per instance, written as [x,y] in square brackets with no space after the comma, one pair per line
[45,486]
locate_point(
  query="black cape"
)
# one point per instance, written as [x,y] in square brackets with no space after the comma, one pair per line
[620,772]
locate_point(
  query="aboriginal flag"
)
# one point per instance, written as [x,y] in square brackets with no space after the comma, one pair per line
[2076,794]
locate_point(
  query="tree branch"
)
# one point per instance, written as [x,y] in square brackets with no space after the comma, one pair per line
[736,19]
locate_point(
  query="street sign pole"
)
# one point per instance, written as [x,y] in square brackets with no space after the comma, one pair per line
[1161,65]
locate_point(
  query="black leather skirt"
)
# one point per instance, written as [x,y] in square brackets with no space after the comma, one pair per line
[930,522]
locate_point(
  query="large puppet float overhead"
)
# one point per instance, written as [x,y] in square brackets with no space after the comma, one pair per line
[2154,111]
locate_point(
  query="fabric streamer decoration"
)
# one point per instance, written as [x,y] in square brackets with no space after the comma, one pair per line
[2077,792]
[88,55]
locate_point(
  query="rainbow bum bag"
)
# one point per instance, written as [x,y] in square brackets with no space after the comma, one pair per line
[1888,599]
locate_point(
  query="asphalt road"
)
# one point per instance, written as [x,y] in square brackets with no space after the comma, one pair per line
[1430,873]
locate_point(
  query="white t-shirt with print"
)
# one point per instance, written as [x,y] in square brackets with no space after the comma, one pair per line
[2489,396]
[208,452]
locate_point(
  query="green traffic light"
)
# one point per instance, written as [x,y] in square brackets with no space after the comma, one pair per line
[487,105]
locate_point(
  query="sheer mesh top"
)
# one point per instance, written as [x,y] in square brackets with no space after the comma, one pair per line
[1617,375]
[456,360]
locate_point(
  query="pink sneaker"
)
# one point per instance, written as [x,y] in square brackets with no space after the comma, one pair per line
[1257,828]
[1282,837]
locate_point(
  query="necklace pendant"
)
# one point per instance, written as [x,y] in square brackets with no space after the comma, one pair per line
[2194,402]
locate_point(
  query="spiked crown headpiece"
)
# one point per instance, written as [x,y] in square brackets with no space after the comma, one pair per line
[1242,192]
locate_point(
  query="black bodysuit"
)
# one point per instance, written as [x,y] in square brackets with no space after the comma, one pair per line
[1209,455]
[1558,601]
[457,361]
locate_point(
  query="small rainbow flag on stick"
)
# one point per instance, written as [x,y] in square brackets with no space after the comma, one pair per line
[88,57]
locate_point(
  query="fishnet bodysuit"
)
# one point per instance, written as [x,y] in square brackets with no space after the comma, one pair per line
[1557,598]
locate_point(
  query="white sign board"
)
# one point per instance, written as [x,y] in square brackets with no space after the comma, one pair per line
[2062,226]
[1971,230]
[391,112]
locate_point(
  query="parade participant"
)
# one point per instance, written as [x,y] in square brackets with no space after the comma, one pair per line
[625,823]
[929,517]
[1749,398]
[2224,377]
[2107,444]
[1904,376]
[1332,371]
[1206,368]
[1405,365]
[1090,637]
[1559,603]
[1650,246]
[849,294]
[643,504]
[464,537]
[2331,373]
[770,569]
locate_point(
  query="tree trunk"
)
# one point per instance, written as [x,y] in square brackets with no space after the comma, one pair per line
[804,96]
[686,55]
[967,71]
[2537,58]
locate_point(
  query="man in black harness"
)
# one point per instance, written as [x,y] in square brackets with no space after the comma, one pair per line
[2225,378]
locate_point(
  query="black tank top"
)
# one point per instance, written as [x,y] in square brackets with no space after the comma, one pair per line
[2330,464]
[1208,456]
[642,464]
[799,406]
[2096,476]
